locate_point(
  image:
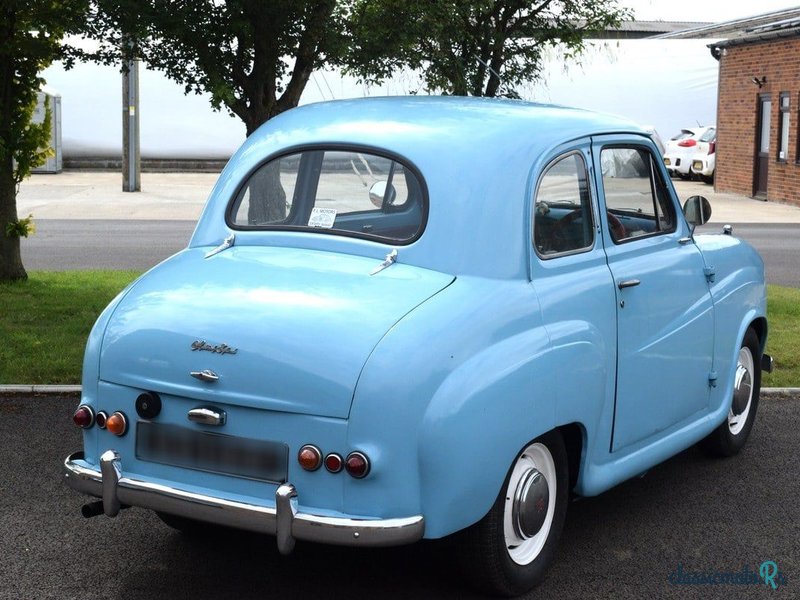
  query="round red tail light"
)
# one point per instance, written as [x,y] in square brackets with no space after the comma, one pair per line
[687,143]
[100,419]
[83,416]
[357,465]
[117,423]
[309,457]
[334,462]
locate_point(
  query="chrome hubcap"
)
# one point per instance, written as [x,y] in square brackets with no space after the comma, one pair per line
[531,501]
[742,391]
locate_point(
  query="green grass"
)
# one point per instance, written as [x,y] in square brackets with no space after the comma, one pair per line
[783,341]
[44,323]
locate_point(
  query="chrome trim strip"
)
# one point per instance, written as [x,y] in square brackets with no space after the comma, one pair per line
[226,243]
[390,259]
[284,520]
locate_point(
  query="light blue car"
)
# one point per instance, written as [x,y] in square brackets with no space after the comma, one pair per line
[406,318]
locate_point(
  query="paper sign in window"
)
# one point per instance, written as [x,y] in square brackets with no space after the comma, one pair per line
[322,217]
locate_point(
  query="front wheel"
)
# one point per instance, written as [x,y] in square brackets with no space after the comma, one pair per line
[508,551]
[730,437]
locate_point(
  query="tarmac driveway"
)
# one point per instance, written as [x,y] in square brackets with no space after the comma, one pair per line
[692,516]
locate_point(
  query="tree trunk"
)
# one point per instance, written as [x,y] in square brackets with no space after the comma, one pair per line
[10,257]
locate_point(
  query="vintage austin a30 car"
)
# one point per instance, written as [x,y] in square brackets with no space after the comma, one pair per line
[412,317]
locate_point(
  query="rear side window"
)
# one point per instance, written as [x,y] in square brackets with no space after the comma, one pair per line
[562,219]
[637,202]
[333,191]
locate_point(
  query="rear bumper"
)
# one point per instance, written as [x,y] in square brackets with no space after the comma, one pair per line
[283,521]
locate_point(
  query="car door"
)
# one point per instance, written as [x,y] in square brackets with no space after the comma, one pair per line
[665,317]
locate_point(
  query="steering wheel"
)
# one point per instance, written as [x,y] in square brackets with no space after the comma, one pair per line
[615,226]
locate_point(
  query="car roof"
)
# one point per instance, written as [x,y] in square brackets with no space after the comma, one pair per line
[476,156]
[441,121]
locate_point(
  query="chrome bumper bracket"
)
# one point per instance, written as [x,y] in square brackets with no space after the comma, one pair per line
[284,521]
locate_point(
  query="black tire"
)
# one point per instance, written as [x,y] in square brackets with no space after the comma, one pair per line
[482,549]
[709,179]
[730,437]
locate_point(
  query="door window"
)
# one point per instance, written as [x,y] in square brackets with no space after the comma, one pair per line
[637,202]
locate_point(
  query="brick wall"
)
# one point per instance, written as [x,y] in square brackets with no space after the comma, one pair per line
[737,117]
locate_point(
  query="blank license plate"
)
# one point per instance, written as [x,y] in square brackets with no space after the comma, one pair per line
[212,452]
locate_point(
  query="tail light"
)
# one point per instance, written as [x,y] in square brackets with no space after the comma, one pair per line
[357,465]
[309,457]
[687,143]
[334,462]
[117,423]
[712,147]
[83,416]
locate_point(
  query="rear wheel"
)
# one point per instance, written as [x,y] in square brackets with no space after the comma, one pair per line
[508,551]
[730,437]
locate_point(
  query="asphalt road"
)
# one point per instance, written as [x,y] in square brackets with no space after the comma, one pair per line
[62,245]
[779,246]
[692,512]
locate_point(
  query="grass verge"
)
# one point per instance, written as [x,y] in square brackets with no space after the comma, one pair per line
[783,341]
[44,323]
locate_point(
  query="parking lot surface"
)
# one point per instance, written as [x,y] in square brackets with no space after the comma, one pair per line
[690,516]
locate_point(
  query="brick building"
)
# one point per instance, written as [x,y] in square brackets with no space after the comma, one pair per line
[758,110]
[758,103]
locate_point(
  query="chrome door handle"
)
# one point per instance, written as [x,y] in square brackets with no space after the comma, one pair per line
[626,283]
[205,375]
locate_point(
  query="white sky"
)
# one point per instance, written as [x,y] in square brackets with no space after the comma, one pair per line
[703,10]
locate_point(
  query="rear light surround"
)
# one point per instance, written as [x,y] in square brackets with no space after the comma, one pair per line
[100,419]
[83,416]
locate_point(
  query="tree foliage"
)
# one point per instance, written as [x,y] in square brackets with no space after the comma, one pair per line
[473,47]
[30,39]
[253,57]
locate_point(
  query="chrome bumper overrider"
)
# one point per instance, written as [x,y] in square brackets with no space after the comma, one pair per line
[283,521]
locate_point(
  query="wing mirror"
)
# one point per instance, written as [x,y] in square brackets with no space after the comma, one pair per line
[382,192]
[697,211]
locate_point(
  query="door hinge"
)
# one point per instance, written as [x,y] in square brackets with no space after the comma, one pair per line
[712,379]
[709,272]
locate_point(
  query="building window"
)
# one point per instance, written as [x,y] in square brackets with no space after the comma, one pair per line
[783,147]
